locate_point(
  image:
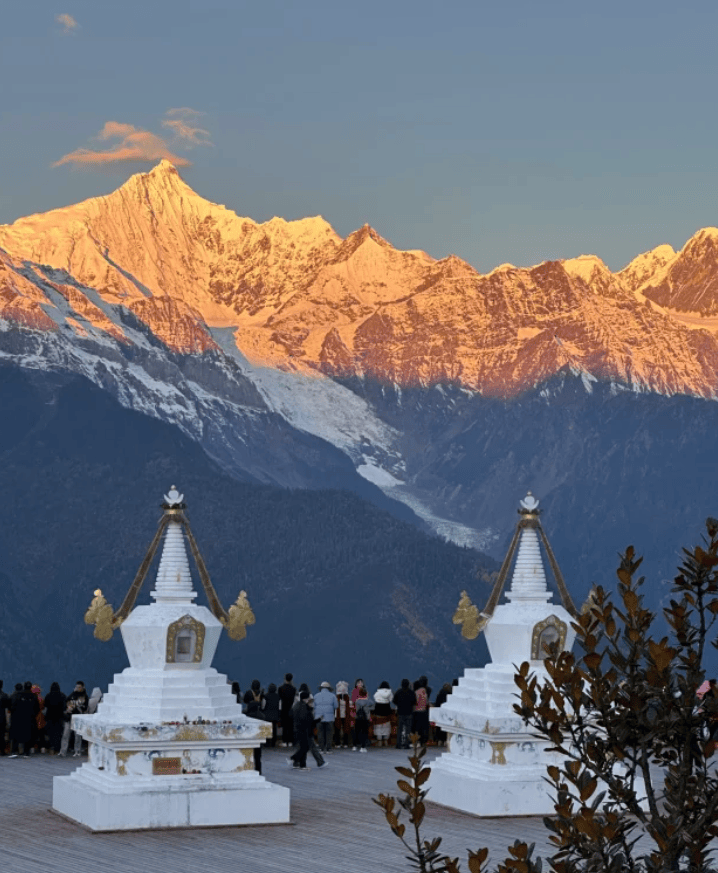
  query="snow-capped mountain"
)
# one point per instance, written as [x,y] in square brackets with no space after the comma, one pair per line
[300,358]
[297,297]
[688,282]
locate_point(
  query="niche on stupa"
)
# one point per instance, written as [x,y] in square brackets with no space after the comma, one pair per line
[185,641]
[545,633]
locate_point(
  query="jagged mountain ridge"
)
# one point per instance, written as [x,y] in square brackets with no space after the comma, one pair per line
[198,388]
[296,358]
[299,298]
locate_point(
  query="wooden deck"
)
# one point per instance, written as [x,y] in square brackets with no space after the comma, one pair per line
[335,826]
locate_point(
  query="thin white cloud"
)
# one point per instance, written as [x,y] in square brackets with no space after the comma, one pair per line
[126,143]
[67,22]
[114,129]
[185,112]
[181,122]
[133,145]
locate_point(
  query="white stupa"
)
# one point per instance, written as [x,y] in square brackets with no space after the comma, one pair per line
[494,765]
[169,745]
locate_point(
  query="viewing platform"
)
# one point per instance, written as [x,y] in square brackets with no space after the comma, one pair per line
[334,825]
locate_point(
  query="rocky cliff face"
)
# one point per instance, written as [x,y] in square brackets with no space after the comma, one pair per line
[296,357]
[688,282]
[298,297]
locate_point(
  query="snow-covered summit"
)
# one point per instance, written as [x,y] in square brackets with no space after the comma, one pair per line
[300,298]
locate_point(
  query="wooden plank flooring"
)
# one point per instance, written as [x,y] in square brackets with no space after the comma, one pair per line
[335,826]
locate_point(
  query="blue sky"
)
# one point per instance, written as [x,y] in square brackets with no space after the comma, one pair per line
[498,132]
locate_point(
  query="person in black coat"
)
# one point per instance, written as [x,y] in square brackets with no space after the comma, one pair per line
[441,697]
[4,709]
[15,694]
[421,710]
[55,704]
[254,701]
[24,710]
[77,704]
[405,701]
[287,693]
[303,724]
[272,711]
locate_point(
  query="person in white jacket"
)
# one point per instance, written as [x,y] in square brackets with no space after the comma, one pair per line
[382,713]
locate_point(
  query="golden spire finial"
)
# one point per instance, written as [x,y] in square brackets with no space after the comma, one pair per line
[467,615]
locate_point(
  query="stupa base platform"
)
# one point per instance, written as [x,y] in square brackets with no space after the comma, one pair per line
[482,791]
[492,790]
[108,803]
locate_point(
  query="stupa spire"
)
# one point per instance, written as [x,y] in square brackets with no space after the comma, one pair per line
[174,581]
[528,582]
[529,578]
[170,717]
[494,764]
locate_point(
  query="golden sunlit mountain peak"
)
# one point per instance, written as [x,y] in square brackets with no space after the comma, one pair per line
[299,296]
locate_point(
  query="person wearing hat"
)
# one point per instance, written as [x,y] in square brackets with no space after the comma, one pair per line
[325,705]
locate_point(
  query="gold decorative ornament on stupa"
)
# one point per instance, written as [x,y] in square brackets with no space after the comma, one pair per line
[106,620]
[170,717]
[467,614]
[494,764]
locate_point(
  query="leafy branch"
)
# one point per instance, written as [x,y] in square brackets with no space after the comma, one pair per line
[625,705]
[424,855]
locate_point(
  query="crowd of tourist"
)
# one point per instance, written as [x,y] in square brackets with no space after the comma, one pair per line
[31,723]
[316,724]
[337,718]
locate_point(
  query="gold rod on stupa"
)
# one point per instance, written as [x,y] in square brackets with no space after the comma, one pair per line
[467,614]
[106,621]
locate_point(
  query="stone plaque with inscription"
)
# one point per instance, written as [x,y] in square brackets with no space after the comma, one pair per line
[166,766]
